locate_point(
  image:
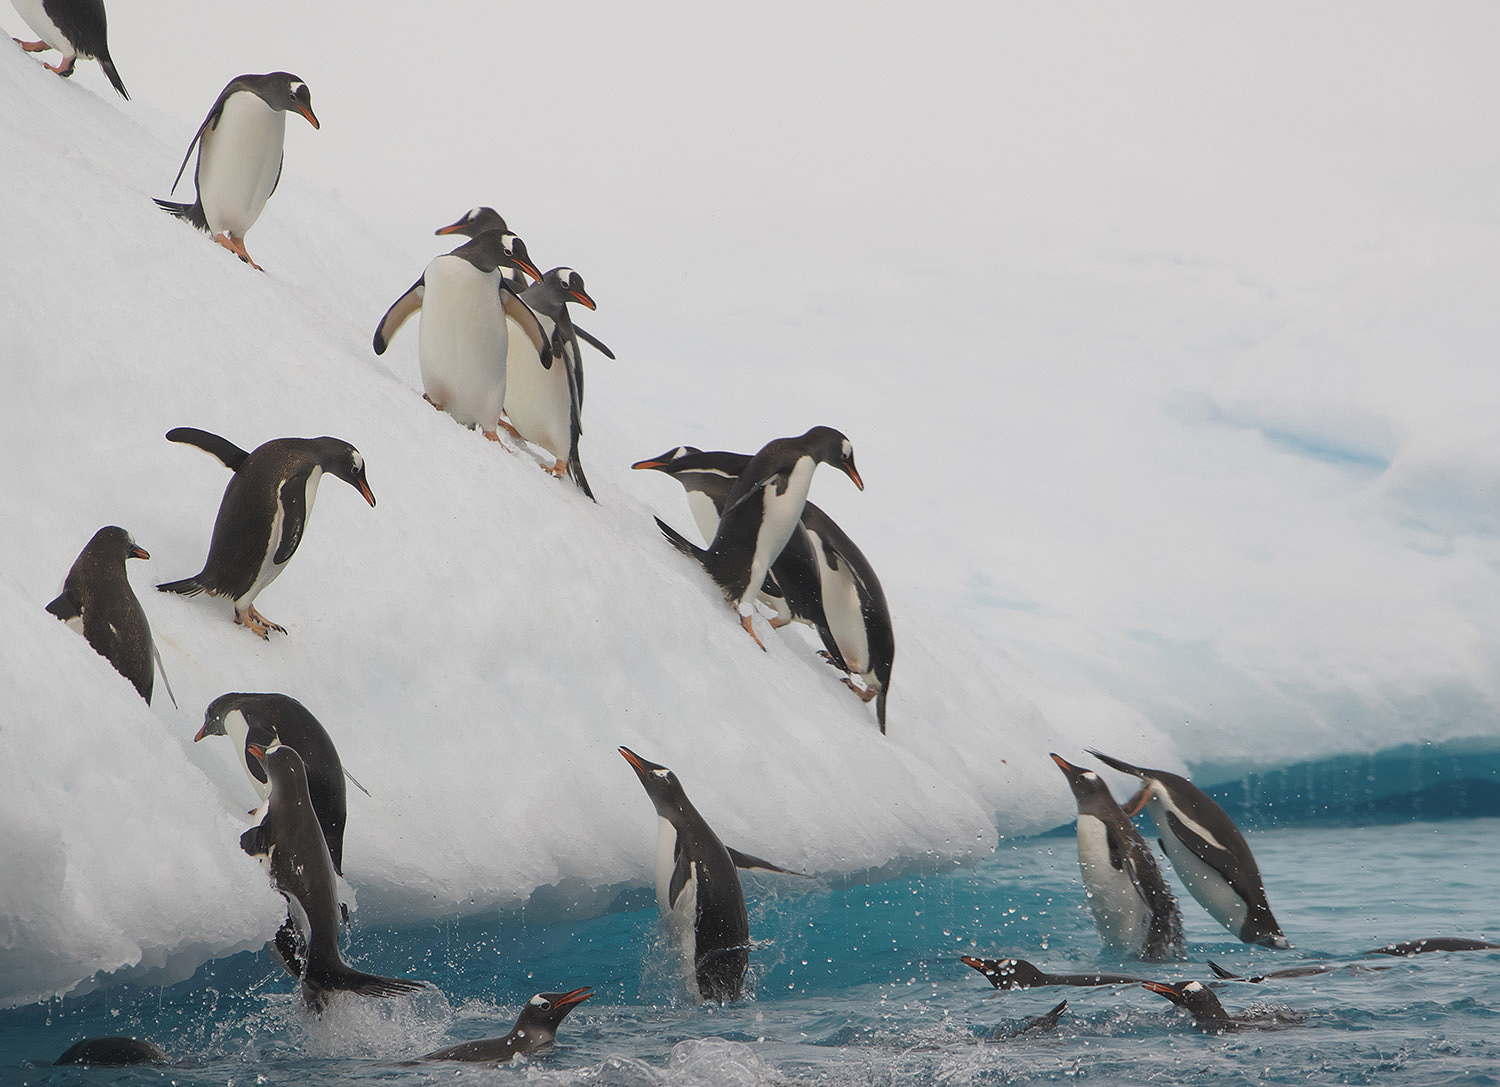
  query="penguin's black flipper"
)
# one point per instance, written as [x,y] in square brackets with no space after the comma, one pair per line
[192,213]
[745,860]
[65,607]
[222,449]
[596,344]
[682,871]
[522,314]
[294,514]
[396,316]
[255,841]
[319,981]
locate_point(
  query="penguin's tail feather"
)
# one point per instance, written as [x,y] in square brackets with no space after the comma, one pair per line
[188,586]
[318,983]
[880,708]
[192,213]
[114,77]
[575,473]
[681,542]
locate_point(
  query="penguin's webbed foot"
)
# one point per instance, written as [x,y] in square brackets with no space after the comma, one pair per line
[64,67]
[510,428]
[750,630]
[433,402]
[257,623]
[779,621]
[237,247]
[865,693]
[494,436]
[32,47]
[557,469]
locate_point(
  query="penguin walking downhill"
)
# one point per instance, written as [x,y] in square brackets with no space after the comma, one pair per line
[1208,851]
[535,1029]
[289,841]
[263,514]
[97,600]
[240,150]
[75,28]
[823,578]
[464,340]
[1133,908]
[697,888]
[763,509]
[1020,974]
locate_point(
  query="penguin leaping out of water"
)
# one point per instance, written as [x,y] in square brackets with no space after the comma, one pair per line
[761,513]
[697,887]
[263,514]
[240,150]
[1208,851]
[75,28]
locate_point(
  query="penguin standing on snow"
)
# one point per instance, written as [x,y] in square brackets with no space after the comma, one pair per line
[697,887]
[535,1029]
[762,511]
[97,600]
[1207,850]
[75,28]
[240,149]
[263,514]
[463,343]
[1133,908]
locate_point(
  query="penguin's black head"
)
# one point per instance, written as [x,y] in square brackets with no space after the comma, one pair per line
[661,785]
[662,462]
[284,767]
[831,447]
[283,91]
[111,541]
[299,99]
[1006,973]
[515,252]
[1089,790]
[338,458]
[546,1011]
[1192,995]
[570,283]
[474,222]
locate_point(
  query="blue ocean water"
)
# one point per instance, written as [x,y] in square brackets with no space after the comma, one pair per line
[860,983]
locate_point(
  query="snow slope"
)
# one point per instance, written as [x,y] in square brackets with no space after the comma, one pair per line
[1164,340]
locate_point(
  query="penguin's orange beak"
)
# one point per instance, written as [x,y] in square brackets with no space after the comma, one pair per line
[582,299]
[256,750]
[364,489]
[634,760]
[655,462]
[577,996]
[307,112]
[139,552]
[852,472]
[451,228]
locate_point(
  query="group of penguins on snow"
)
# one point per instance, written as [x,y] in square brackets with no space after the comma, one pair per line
[497,353]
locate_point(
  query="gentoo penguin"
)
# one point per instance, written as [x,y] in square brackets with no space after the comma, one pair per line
[463,341]
[1208,851]
[1307,971]
[1434,943]
[263,513]
[289,841]
[536,1028]
[1020,974]
[75,28]
[1201,1002]
[1132,906]
[763,509]
[697,888]
[113,1052]
[240,148]
[261,720]
[1032,1024]
[98,602]
[791,589]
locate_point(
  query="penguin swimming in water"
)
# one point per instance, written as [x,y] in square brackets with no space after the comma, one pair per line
[263,719]
[697,887]
[113,1052]
[1020,974]
[763,509]
[1133,908]
[97,601]
[1210,1015]
[1208,851]
[535,1029]
[75,28]
[464,340]
[240,150]
[291,843]
[263,514]
[1434,943]
[824,578]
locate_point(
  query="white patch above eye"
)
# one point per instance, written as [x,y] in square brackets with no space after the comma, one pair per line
[660,773]
[1192,987]
[1089,775]
[298,88]
[473,214]
[359,461]
[848,449]
[537,1002]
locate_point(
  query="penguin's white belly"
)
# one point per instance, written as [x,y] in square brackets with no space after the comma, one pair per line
[844,612]
[680,919]
[239,162]
[1203,882]
[537,398]
[1120,915]
[779,516]
[705,516]
[270,570]
[43,27]
[463,341]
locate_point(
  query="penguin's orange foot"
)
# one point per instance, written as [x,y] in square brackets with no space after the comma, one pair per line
[558,468]
[433,402]
[257,623]
[510,429]
[32,47]
[63,68]
[750,630]
[778,621]
[865,693]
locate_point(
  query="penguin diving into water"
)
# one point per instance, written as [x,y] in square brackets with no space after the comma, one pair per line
[1133,908]
[98,602]
[1208,851]
[761,513]
[240,150]
[697,888]
[263,514]
[75,28]
[290,843]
